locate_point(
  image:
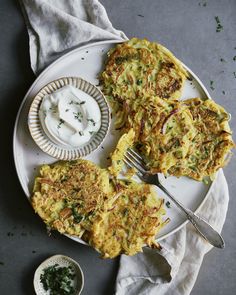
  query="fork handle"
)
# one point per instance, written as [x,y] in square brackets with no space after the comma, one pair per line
[204,228]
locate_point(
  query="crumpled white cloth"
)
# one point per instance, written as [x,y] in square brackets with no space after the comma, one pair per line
[56,27]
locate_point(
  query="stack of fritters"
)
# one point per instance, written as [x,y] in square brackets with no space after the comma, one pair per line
[142,81]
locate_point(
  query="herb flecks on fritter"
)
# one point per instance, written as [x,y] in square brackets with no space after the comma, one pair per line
[143,81]
[212,141]
[68,195]
[133,221]
[79,198]
[181,138]
[139,68]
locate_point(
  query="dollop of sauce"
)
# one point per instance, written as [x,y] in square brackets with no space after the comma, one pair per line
[69,116]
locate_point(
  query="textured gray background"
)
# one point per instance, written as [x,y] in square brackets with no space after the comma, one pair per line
[186,27]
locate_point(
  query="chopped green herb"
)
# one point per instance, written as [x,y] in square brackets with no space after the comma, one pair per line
[1,263]
[234,58]
[143,198]
[91,132]
[205,181]
[222,60]
[193,168]
[234,74]
[125,212]
[204,4]
[82,102]
[81,133]
[212,85]
[92,121]
[168,204]
[139,82]
[219,26]
[58,280]
[223,92]
[140,15]
[78,116]
[60,123]
[71,102]
[77,217]
[67,110]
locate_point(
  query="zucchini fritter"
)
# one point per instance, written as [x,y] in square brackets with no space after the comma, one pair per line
[68,195]
[79,198]
[132,222]
[139,68]
[212,141]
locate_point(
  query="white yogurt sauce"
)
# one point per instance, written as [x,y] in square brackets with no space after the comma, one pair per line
[70,116]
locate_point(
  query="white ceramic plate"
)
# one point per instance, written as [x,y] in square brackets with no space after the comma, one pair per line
[87,62]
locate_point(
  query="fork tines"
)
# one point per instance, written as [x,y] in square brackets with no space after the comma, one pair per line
[134,160]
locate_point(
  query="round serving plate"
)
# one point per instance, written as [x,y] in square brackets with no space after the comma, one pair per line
[87,62]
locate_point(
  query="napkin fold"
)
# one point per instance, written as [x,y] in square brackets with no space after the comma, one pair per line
[54,28]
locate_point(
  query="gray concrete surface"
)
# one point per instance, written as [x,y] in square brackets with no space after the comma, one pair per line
[188,28]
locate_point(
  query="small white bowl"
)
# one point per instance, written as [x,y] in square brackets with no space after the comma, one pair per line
[50,147]
[62,261]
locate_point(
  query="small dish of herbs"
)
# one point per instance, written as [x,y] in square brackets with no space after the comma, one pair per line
[58,275]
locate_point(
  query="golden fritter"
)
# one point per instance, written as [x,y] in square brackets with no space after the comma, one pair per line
[211,144]
[142,68]
[68,195]
[133,221]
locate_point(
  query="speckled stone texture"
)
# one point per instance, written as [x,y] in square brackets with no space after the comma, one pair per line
[186,27]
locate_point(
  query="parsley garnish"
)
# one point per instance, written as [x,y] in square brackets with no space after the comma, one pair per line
[125,212]
[81,133]
[168,204]
[67,110]
[58,280]
[234,74]
[234,58]
[92,121]
[78,116]
[139,82]
[77,217]
[212,85]
[222,60]
[223,92]
[204,4]
[219,27]
[60,123]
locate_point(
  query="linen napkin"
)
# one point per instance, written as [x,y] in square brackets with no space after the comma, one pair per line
[54,28]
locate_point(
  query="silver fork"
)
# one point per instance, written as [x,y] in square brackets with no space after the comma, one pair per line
[134,160]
